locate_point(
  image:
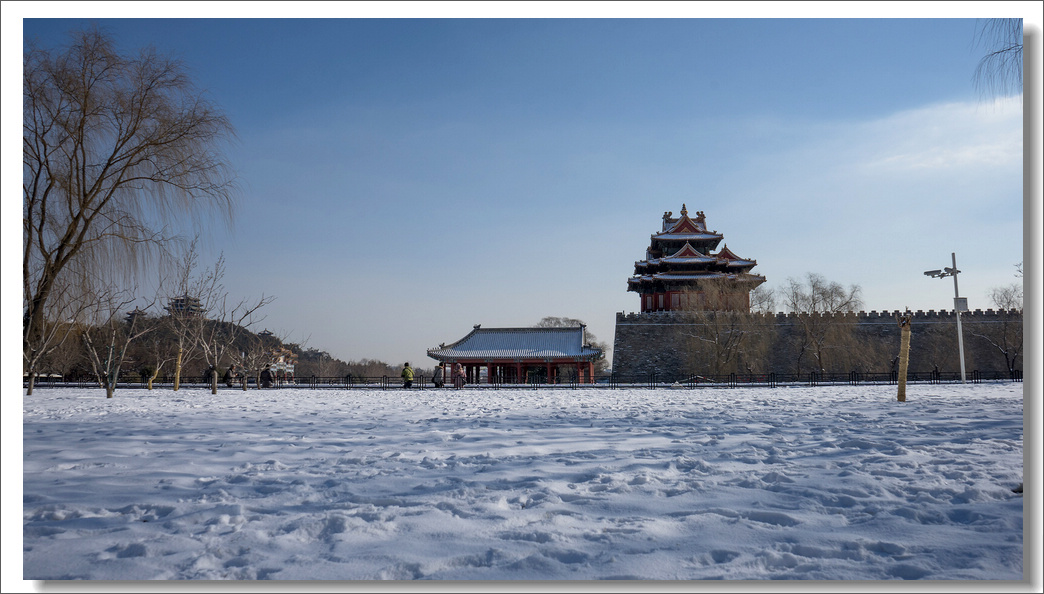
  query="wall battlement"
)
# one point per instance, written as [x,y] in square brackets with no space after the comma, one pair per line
[676,317]
[661,341]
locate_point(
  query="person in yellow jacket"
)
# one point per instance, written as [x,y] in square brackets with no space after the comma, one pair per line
[407,375]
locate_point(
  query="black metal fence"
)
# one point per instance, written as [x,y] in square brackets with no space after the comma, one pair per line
[607,381]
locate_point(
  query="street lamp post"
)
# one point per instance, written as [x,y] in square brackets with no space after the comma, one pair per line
[959,304]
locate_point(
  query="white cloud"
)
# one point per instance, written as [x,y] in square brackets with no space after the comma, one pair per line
[947,137]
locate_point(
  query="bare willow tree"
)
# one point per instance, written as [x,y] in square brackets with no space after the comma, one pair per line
[117,153]
[719,340]
[823,333]
[999,71]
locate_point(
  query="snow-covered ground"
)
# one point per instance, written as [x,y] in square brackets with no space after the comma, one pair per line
[809,483]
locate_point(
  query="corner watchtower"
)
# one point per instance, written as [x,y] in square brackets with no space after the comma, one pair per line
[681,270]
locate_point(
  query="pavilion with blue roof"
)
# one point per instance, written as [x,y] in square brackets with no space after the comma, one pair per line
[521,355]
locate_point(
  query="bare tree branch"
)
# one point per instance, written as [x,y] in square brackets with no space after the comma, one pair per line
[999,71]
[117,154]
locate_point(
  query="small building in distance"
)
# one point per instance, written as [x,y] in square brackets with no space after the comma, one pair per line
[682,272]
[520,355]
[185,306]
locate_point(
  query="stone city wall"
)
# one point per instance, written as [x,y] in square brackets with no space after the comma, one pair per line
[656,342]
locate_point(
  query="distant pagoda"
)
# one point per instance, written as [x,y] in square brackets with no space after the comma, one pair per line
[185,307]
[681,272]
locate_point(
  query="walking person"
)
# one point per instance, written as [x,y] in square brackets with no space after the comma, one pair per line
[266,377]
[407,375]
[458,376]
[437,377]
[230,373]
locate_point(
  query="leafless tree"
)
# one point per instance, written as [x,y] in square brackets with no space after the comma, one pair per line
[109,333]
[762,300]
[1005,334]
[560,322]
[60,321]
[202,319]
[117,152]
[821,306]
[1000,69]
[184,310]
[257,354]
[217,332]
[158,349]
[720,340]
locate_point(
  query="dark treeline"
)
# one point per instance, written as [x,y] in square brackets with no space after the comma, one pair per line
[153,355]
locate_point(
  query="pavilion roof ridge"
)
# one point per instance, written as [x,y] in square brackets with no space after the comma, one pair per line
[687,251]
[563,341]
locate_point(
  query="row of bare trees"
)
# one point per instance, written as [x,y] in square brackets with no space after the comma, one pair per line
[823,336]
[189,322]
[719,340]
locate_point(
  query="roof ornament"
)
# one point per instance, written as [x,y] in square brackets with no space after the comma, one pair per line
[684,212]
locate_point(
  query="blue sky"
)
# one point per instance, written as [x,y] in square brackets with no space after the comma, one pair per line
[404,179]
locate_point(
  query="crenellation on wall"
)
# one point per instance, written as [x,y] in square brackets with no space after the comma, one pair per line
[651,342]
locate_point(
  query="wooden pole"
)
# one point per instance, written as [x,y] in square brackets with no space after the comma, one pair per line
[904,354]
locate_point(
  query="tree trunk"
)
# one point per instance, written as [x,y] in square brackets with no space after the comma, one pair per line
[904,355]
[213,381]
[177,371]
[32,381]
